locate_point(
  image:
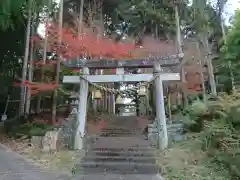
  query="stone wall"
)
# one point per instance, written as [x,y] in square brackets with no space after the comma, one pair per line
[175,132]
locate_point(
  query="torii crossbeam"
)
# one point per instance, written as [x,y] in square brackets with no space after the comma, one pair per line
[166,61]
[120,78]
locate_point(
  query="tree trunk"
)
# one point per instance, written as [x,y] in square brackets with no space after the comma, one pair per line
[210,67]
[25,62]
[44,55]
[201,72]
[57,76]
[229,62]
[30,73]
[179,48]
[80,25]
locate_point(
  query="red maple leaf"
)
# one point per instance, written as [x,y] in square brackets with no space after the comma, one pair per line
[72,47]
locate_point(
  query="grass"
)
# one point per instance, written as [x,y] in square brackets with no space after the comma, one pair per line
[187,161]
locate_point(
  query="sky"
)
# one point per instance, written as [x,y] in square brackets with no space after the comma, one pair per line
[231,6]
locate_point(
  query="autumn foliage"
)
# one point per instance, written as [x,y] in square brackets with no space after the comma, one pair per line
[90,45]
[87,44]
[72,46]
[35,88]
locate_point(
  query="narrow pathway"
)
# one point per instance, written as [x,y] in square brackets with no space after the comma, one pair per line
[14,167]
[119,152]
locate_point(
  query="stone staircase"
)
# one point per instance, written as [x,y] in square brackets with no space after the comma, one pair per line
[119,151]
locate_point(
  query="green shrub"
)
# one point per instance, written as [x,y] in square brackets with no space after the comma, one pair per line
[218,120]
[195,116]
[17,128]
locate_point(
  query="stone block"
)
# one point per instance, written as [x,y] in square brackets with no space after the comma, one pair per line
[36,141]
[50,141]
[47,143]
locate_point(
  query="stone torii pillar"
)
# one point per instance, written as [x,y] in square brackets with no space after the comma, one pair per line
[82,112]
[160,108]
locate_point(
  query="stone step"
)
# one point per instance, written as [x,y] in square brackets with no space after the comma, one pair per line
[116,135]
[120,128]
[111,176]
[179,130]
[134,140]
[117,159]
[148,147]
[113,131]
[155,131]
[130,149]
[169,126]
[122,154]
[118,132]
[116,168]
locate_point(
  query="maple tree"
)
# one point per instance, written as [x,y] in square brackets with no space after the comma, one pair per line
[87,45]
[91,46]
[37,87]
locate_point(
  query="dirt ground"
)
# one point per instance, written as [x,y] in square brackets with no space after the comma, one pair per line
[186,161]
[59,161]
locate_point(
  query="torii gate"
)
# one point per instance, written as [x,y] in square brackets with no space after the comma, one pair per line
[155,63]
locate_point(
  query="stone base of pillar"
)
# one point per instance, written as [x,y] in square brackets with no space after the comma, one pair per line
[78,142]
[142,106]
